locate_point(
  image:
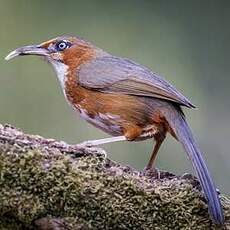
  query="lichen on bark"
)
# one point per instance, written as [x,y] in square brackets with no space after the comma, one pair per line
[45,184]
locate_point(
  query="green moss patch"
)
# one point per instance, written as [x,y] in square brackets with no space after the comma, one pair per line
[91,192]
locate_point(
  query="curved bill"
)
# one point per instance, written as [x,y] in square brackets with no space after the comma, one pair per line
[27,50]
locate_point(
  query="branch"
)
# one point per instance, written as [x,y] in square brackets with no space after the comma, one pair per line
[46,184]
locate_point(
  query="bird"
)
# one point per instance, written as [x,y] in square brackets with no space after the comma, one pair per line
[124,99]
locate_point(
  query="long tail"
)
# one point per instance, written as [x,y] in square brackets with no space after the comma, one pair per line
[184,135]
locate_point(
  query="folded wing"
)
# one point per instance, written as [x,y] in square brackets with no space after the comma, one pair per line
[118,75]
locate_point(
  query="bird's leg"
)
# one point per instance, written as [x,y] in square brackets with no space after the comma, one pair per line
[154,154]
[130,133]
[150,166]
[92,143]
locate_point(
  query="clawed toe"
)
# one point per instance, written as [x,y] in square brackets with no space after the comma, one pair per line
[151,172]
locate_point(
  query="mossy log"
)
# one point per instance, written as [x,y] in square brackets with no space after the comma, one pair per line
[45,184]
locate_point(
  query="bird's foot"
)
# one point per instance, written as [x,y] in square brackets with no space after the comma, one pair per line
[151,172]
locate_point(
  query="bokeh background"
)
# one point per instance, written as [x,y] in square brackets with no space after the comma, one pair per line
[187,42]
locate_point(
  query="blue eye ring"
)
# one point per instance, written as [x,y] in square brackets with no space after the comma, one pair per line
[62,45]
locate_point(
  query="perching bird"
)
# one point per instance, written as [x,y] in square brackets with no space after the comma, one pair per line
[125,99]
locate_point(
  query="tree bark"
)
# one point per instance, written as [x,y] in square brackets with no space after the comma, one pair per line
[46,184]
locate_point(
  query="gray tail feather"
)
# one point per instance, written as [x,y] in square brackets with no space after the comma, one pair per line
[184,135]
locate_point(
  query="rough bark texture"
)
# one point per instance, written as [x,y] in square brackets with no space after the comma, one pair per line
[45,184]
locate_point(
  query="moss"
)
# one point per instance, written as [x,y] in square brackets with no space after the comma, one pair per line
[91,192]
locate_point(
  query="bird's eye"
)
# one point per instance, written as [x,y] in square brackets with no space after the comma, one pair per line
[62,45]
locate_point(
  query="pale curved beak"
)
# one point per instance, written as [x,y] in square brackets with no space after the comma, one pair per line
[28,50]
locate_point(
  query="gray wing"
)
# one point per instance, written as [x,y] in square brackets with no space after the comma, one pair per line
[118,75]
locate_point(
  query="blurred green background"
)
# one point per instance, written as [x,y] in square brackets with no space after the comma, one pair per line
[185,41]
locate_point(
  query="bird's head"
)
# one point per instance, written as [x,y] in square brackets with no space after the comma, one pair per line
[64,51]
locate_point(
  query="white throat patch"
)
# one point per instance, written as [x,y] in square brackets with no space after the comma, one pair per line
[61,70]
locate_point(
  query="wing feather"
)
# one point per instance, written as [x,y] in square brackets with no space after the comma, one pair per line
[118,75]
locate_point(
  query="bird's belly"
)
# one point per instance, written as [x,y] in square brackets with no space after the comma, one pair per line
[115,114]
[109,123]
[113,125]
